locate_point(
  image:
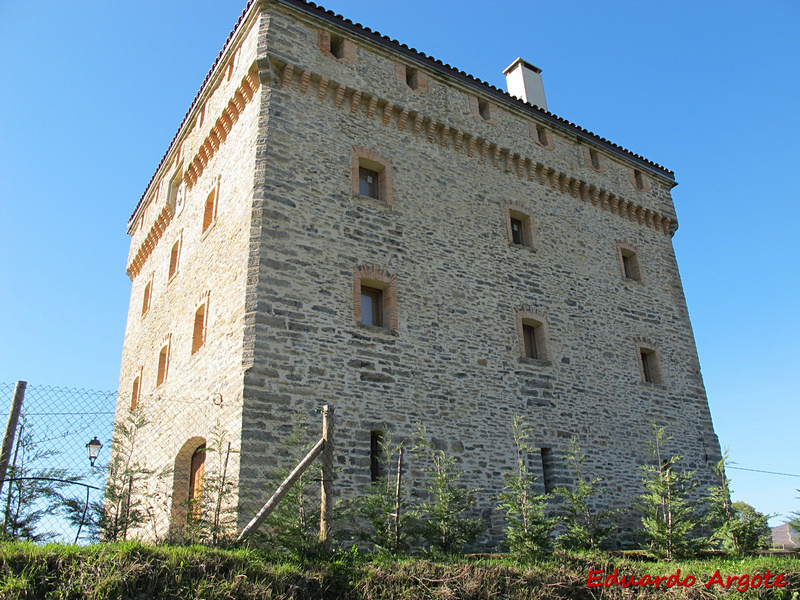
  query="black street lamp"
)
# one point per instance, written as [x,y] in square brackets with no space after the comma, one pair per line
[93,448]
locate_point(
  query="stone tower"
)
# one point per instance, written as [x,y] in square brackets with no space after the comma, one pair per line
[341,219]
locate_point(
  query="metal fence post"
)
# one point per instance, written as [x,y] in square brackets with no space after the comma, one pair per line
[326,485]
[11,429]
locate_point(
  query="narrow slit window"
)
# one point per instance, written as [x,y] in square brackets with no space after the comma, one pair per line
[376,457]
[174,259]
[210,211]
[199,334]
[163,365]
[630,264]
[135,394]
[146,299]
[484,109]
[548,475]
[637,174]
[371,306]
[595,158]
[646,367]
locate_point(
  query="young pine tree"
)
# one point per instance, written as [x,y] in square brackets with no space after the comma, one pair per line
[738,527]
[383,506]
[668,519]
[527,525]
[585,527]
[442,523]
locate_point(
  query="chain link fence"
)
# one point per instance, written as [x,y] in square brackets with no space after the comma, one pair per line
[167,469]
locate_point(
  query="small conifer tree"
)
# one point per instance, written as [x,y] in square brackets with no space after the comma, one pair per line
[668,519]
[585,527]
[737,526]
[442,523]
[528,526]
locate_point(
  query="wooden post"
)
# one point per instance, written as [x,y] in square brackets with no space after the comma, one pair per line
[397,491]
[281,491]
[11,429]
[326,485]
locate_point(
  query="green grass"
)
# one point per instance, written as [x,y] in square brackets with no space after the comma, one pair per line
[136,571]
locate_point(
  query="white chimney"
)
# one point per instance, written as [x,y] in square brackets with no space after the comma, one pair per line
[525,82]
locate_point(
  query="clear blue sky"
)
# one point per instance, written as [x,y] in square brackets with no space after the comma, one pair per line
[92,93]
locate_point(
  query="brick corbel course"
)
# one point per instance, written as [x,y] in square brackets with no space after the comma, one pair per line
[562,182]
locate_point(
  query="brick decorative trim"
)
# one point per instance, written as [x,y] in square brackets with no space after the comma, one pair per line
[377,278]
[150,242]
[240,98]
[467,143]
[526,315]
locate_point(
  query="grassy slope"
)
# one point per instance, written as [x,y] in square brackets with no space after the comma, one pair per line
[135,571]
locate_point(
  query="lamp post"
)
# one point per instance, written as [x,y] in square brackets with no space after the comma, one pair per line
[93,448]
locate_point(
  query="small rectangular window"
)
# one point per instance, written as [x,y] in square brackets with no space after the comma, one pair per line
[529,337]
[547,470]
[516,231]
[371,306]
[626,266]
[376,455]
[368,183]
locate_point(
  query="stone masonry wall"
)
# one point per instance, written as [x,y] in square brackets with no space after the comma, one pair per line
[453,363]
[202,393]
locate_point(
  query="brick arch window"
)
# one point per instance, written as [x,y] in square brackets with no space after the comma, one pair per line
[372,175]
[519,226]
[649,359]
[187,481]
[375,297]
[629,261]
[534,340]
